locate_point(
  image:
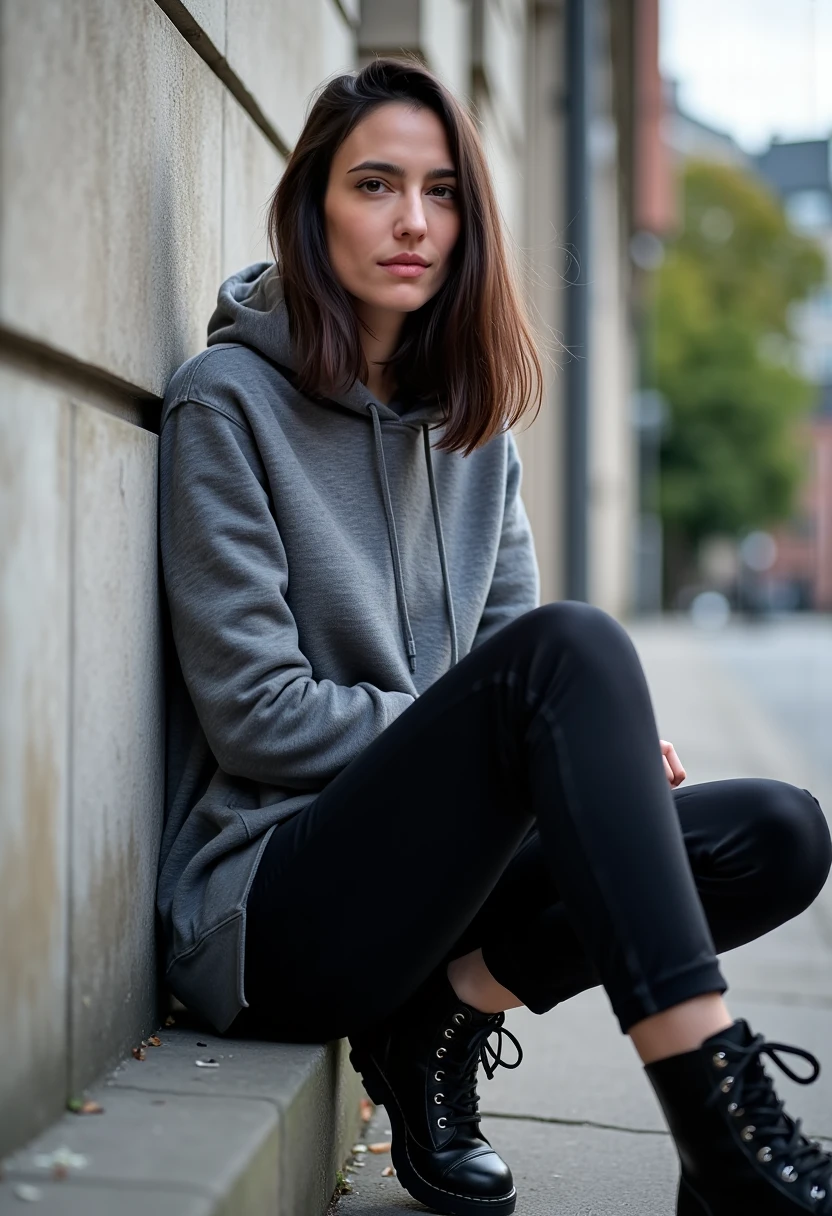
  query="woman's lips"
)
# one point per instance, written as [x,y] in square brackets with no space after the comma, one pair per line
[404,270]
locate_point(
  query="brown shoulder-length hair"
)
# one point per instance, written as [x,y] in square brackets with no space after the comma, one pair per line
[469,348]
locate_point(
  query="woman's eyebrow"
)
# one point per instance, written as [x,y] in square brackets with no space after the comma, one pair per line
[383,166]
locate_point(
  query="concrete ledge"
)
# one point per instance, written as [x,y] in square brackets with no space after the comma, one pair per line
[262,1133]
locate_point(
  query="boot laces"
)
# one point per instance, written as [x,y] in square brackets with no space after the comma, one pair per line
[464,1101]
[755,1100]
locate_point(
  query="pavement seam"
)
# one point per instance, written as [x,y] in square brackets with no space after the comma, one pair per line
[604,1127]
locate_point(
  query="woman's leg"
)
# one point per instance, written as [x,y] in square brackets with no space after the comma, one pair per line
[549,721]
[759,851]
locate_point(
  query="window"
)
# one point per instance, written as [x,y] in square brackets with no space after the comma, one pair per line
[809,210]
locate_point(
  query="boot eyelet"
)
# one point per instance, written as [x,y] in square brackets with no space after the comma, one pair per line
[437,1076]
[442,1051]
[727,1085]
[764,1154]
[459,1018]
[817,1193]
[747,1133]
[438,1099]
[789,1173]
[449,1034]
[720,1060]
[442,1122]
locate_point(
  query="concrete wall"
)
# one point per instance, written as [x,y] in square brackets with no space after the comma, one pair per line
[543,263]
[139,143]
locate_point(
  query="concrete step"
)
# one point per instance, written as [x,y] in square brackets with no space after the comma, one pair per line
[261,1134]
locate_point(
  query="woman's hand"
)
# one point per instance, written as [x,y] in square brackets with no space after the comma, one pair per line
[672,764]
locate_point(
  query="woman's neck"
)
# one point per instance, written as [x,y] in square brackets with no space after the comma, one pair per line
[378,341]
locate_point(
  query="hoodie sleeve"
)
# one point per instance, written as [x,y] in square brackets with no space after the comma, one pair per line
[226,575]
[515,587]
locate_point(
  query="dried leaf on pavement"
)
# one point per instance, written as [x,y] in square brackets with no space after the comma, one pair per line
[170,1020]
[154,1041]
[139,1053]
[388,1172]
[85,1107]
[366,1110]
[382,1147]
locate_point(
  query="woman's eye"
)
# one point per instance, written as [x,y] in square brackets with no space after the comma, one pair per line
[373,185]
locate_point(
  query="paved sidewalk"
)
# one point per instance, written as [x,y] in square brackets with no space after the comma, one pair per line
[578,1121]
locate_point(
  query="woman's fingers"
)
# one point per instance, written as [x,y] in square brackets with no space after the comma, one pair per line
[672,764]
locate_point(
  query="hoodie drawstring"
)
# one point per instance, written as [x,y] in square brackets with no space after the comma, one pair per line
[394,542]
[440,541]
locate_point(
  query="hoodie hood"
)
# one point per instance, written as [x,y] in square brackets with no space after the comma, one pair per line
[251,310]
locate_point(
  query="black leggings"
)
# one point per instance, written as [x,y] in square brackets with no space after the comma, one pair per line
[520,805]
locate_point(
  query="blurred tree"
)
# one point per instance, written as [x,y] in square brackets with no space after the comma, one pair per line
[732,456]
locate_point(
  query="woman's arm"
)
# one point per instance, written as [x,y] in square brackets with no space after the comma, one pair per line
[515,587]
[226,576]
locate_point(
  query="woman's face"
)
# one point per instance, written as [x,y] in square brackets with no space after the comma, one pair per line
[392,193]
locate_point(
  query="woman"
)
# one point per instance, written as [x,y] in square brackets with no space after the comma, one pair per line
[368,698]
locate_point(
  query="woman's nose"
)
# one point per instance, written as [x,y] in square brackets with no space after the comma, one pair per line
[411,220]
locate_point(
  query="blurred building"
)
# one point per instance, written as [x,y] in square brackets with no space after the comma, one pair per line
[140,142]
[688,138]
[800,173]
[677,138]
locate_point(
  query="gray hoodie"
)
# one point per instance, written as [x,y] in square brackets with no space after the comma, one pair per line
[323,566]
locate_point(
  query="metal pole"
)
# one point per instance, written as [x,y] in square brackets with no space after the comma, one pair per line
[578,49]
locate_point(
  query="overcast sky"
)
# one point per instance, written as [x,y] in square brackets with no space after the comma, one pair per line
[755,68]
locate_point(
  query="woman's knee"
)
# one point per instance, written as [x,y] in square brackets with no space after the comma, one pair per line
[792,830]
[583,628]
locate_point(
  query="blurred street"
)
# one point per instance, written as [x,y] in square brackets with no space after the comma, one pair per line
[578,1122]
[787,663]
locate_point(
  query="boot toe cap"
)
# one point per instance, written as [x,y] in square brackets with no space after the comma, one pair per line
[482,1174]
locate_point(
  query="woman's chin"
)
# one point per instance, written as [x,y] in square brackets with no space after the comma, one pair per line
[400,297]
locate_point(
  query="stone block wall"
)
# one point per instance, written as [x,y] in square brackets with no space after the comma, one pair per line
[139,143]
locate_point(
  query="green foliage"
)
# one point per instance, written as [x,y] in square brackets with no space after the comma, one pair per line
[732,457]
[343,1185]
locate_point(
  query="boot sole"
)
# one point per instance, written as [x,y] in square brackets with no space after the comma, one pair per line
[444,1202]
[689,1203]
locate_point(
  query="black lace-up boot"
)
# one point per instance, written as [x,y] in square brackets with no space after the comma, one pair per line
[741,1154]
[422,1066]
